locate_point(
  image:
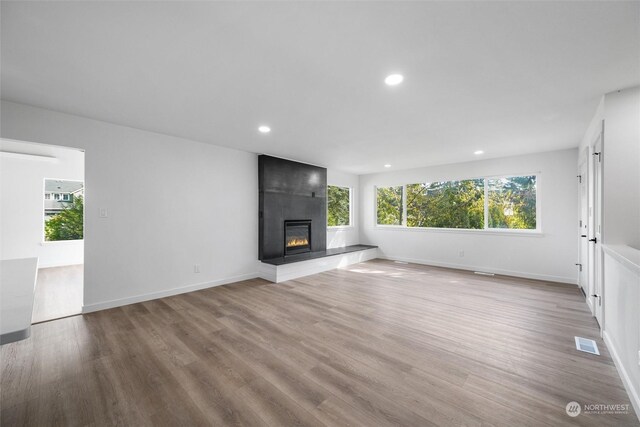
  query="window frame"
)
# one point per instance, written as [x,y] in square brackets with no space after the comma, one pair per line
[485,230]
[351,224]
[403,220]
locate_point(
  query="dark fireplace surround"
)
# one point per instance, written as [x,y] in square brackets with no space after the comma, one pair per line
[292,208]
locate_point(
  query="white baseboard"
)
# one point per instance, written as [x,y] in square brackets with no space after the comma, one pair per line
[632,391]
[89,308]
[525,275]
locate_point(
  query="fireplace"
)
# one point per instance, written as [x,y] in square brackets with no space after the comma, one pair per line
[297,237]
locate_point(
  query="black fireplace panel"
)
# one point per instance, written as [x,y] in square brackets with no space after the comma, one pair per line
[290,191]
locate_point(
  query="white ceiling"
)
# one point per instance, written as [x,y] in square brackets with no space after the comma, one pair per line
[504,77]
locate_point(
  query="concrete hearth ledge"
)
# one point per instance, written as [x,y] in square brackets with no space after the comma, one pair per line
[288,268]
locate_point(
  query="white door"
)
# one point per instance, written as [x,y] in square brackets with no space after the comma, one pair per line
[596,238]
[583,229]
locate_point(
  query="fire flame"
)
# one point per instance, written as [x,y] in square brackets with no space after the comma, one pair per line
[297,242]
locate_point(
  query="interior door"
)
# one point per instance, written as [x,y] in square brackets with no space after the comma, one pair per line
[583,229]
[596,239]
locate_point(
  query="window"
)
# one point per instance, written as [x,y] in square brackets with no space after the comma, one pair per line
[448,204]
[472,204]
[339,206]
[63,213]
[512,202]
[389,203]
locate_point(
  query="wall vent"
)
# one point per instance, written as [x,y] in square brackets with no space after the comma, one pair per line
[587,345]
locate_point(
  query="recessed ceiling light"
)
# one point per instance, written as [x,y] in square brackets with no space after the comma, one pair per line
[394,79]
[264,129]
[478,152]
[387,166]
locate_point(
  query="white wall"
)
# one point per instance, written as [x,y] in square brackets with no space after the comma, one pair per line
[345,236]
[621,234]
[621,164]
[171,203]
[622,315]
[620,111]
[21,202]
[550,255]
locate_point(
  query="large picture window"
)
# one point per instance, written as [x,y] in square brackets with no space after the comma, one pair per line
[338,206]
[389,202]
[63,210]
[472,204]
[512,202]
[448,204]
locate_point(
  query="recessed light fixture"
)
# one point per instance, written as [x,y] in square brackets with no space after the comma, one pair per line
[264,129]
[478,152]
[387,166]
[394,79]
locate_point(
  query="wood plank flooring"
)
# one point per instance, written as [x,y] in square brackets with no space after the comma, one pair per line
[376,344]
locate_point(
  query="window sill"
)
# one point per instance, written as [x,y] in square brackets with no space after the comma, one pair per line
[60,242]
[340,227]
[495,232]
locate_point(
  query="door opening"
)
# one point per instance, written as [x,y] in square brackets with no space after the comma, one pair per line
[42,203]
[595,241]
[583,227]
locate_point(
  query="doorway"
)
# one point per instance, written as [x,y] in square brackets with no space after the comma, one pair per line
[583,274]
[42,210]
[596,240]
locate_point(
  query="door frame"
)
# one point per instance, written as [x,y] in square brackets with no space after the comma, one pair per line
[583,229]
[596,254]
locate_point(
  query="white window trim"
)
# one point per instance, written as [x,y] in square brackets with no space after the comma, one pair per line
[537,232]
[351,224]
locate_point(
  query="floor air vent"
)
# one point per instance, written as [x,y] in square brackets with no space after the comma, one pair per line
[483,273]
[587,345]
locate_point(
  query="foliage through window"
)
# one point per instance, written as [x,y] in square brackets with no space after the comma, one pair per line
[339,206]
[389,205]
[449,204]
[510,204]
[64,212]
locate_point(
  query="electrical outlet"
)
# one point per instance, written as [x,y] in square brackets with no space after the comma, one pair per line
[461,254]
[196,268]
[104,213]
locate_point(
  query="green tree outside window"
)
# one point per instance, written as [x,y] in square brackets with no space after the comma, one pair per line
[389,205]
[338,211]
[68,224]
[512,202]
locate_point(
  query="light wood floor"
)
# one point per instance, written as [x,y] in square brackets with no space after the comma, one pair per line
[376,344]
[58,292]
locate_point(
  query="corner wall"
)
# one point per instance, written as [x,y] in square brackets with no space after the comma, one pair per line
[171,204]
[621,235]
[548,256]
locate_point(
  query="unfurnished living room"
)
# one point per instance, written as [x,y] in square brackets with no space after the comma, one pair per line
[338,213]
